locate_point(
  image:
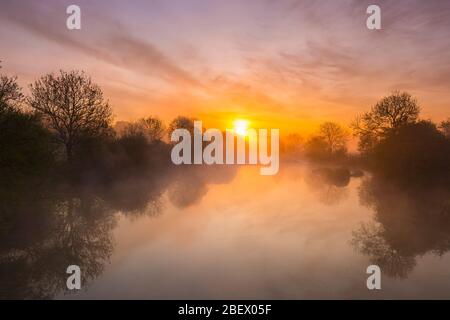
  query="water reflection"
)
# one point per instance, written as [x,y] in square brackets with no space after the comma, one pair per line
[409,221]
[329,184]
[190,184]
[286,235]
[42,236]
[46,227]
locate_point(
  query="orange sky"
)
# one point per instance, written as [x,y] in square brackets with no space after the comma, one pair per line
[281,64]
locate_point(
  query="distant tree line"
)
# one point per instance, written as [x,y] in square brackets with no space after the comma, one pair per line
[392,140]
[397,144]
[66,124]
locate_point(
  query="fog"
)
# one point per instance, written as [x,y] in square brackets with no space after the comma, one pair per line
[228,232]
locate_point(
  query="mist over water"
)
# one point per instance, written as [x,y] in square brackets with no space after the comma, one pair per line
[227,232]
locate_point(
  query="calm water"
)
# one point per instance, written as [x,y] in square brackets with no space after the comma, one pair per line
[295,235]
[196,232]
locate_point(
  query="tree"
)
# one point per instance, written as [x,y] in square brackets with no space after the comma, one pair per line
[416,153]
[72,106]
[25,145]
[154,128]
[390,113]
[11,95]
[329,143]
[445,128]
[151,128]
[316,148]
[181,122]
[335,137]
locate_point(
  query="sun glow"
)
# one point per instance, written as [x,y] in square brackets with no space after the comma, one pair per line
[240,127]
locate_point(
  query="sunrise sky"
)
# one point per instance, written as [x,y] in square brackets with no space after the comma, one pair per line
[281,64]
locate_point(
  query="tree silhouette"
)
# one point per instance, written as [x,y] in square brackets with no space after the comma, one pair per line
[388,114]
[334,135]
[328,144]
[72,105]
[316,148]
[414,153]
[11,96]
[445,128]
[151,128]
[181,122]
[25,146]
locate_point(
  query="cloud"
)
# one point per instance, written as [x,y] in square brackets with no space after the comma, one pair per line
[111,43]
[305,58]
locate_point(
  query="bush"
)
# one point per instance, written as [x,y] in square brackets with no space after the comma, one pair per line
[26,147]
[415,151]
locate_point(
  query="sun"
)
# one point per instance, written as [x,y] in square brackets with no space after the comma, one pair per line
[240,127]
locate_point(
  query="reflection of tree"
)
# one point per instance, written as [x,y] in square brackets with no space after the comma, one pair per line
[332,195]
[410,222]
[190,184]
[135,196]
[184,192]
[370,241]
[329,183]
[77,231]
[44,229]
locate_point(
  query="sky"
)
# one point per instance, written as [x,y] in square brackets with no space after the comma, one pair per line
[279,63]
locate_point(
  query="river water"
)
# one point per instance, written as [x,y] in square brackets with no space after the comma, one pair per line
[297,235]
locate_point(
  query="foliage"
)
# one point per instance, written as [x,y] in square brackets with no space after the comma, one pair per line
[390,113]
[72,106]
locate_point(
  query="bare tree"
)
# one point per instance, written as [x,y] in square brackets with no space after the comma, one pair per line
[388,114]
[334,135]
[181,122]
[151,128]
[154,128]
[72,105]
[11,96]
